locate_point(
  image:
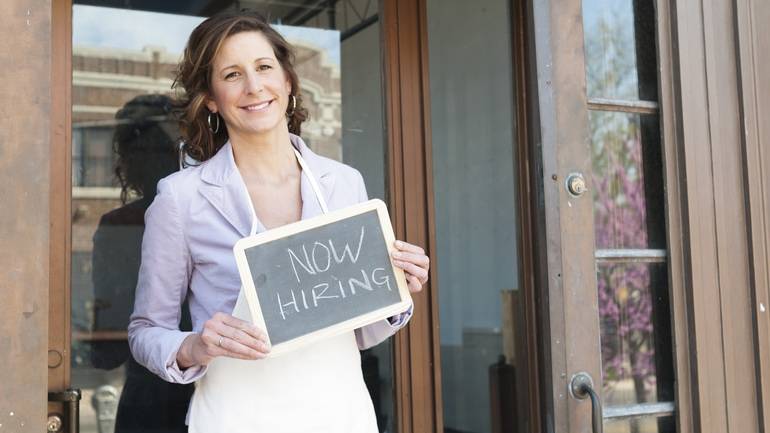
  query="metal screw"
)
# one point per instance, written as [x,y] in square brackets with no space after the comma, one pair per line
[54,423]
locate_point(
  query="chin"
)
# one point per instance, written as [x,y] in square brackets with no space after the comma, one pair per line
[261,127]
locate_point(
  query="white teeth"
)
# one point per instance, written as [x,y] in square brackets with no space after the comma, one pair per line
[258,107]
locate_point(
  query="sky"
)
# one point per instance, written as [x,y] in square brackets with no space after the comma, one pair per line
[101,27]
[594,10]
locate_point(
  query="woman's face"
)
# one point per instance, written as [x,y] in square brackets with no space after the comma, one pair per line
[249,87]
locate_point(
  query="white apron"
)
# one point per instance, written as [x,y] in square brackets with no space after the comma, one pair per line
[318,388]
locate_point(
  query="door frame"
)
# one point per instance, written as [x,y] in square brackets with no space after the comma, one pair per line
[418,384]
[416,349]
[25,132]
[418,363]
[410,183]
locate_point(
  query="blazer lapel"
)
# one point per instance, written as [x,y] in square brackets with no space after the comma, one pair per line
[223,187]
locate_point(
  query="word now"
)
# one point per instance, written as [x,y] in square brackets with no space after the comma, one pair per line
[319,259]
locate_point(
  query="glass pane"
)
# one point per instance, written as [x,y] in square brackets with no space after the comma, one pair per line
[627,180]
[620,53]
[474,181]
[641,425]
[635,339]
[125,140]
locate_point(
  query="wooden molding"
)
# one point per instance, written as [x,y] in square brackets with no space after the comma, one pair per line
[527,336]
[754,94]
[59,342]
[417,362]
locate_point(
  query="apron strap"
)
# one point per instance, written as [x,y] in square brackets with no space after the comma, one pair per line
[316,189]
[313,183]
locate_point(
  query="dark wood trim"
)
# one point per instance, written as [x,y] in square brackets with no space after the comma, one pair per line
[25,134]
[753,63]
[527,368]
[59,342]
[435,346]
[673,171]
[417,351]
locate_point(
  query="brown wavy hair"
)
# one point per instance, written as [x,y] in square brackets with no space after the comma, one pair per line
[194,76]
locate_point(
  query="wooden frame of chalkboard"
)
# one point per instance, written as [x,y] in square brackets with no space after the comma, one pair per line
[334,272]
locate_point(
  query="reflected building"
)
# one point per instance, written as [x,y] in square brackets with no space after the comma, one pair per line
[104,79]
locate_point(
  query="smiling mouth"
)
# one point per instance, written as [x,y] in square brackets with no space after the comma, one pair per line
[258,107]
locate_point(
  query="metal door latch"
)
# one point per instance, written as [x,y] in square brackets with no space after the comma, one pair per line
[71,421]
[576,184]
[581,387]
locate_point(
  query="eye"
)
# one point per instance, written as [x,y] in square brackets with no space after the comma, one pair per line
[232,75]
[264,67]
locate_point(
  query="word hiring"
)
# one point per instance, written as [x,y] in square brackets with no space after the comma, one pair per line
[319,258]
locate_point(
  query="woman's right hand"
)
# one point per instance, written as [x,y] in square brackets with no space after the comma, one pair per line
[223,335]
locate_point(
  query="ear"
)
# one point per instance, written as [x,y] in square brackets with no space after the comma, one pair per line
[211,105]
[288,87]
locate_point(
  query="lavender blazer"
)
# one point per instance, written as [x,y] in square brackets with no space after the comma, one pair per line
[187,253]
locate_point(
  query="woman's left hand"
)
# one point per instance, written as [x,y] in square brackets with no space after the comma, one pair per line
[414,262]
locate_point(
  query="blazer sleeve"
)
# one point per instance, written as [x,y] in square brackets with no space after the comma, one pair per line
[377,332]
[164,276]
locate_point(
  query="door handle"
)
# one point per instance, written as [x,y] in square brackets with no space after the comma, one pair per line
[71,400]
[581,387]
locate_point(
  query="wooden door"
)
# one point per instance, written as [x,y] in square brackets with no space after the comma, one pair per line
[603,273]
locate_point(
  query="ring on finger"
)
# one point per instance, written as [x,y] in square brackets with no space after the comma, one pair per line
[219,343]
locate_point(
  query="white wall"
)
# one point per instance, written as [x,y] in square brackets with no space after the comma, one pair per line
[472,116]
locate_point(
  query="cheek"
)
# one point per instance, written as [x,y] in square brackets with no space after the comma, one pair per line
[224,96]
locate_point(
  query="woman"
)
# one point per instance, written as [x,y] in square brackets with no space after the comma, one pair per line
[242,111]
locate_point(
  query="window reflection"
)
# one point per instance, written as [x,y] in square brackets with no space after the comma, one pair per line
[146,151]
[627,337]
[620,49]
[639,425]
[124,139]
[628,207]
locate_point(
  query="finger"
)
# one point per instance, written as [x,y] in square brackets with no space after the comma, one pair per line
[240,336]
[420,260]
[243,337]
[413,283]
[235,349]
[211,345]
[414,270]
[406,246]
[248,328]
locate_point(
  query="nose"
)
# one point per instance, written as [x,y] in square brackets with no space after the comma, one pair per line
[253,83]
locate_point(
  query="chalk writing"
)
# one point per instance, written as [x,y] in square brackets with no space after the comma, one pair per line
[310,263]
[322,276]
[369,281]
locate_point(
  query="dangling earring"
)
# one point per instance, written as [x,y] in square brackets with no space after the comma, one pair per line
[293,106]
[211,128]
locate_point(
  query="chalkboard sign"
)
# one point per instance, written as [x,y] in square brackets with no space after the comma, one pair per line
[322,276]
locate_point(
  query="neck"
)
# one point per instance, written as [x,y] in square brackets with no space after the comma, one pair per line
[268,157]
